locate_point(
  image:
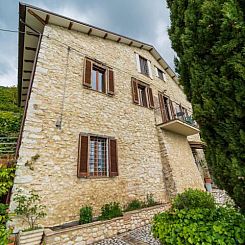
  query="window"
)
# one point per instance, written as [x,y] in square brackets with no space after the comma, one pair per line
[142,94]
[98,161]
[166,106]
[97,156]
[98,77]
[160,74]
[144,66]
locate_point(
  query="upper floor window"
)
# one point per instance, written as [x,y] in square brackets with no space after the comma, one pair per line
[143,66]
[160,74]
[98,77]
[142,94]
[97,156]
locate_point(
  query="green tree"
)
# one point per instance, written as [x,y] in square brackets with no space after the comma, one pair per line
[209,39]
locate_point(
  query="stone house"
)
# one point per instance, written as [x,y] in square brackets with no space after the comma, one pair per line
[105,118]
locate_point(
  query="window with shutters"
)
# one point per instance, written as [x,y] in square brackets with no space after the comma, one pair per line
[142,94]
[98,77]
[97,156]
[144,66]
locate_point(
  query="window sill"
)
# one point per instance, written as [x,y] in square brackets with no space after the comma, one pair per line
[103,93]
[97,177]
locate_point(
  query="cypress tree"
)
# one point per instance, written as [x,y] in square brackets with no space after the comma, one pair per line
[209,39]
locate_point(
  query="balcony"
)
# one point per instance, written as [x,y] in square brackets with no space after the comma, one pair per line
[173,117]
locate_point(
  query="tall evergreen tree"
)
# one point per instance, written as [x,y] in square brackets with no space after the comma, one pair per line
[209,39]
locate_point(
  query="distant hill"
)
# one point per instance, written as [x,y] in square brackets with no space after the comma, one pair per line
[10,113]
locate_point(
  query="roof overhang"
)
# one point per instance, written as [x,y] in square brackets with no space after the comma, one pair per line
[32,21]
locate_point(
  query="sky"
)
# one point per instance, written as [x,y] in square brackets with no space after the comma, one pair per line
[144,20]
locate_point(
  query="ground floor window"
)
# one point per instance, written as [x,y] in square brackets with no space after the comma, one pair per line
[98,157]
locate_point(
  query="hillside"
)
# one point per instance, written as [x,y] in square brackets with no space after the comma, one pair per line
[10,113]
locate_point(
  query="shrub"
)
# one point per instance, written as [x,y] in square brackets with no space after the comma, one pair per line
[29,207]
[4,215]
[193,199]
[6,179]
[133,205]
[111,210]
[150,201]
[200,226]
[86,215]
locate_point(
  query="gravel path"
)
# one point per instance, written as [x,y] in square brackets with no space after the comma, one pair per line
[140,236]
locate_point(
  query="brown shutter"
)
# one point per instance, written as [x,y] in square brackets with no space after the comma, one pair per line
[87,73]
[111,82]
[113,158]
[82,166]
[135,91]
[104,82]
[172,110]
[150,98]
[162,107]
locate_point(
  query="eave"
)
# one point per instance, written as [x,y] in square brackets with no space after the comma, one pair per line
[36,18]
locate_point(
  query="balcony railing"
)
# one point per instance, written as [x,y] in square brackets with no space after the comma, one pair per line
[174,117]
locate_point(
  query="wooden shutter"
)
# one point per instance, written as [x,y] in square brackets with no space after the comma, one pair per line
[82,166]
[87,73]
[149,69]
[150,98]
[156,71]
[137,57]
[111,82]
[113,158]
[172,110]
[135,91]
[162,107]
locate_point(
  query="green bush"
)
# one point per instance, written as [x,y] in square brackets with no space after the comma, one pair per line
[133,205]
[150,201]
[196,226]
[6,179]
[110,210]
[194,199]
[4,215]
[86,215]
[4,235]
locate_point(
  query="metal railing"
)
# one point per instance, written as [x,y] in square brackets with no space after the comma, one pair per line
[8,145]
[172,110]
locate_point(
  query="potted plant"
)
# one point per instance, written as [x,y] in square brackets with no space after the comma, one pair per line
[30,210]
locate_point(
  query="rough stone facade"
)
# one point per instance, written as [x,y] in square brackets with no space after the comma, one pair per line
[143,149]
[96,231]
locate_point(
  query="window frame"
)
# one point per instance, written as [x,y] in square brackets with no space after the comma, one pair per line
[147,73]
[145,88]
[96,158]
[159,71]
[99,69]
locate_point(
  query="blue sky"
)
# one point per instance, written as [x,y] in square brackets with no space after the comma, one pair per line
[145,20]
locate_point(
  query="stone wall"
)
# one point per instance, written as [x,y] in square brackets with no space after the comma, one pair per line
[58,92]
[96,231]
